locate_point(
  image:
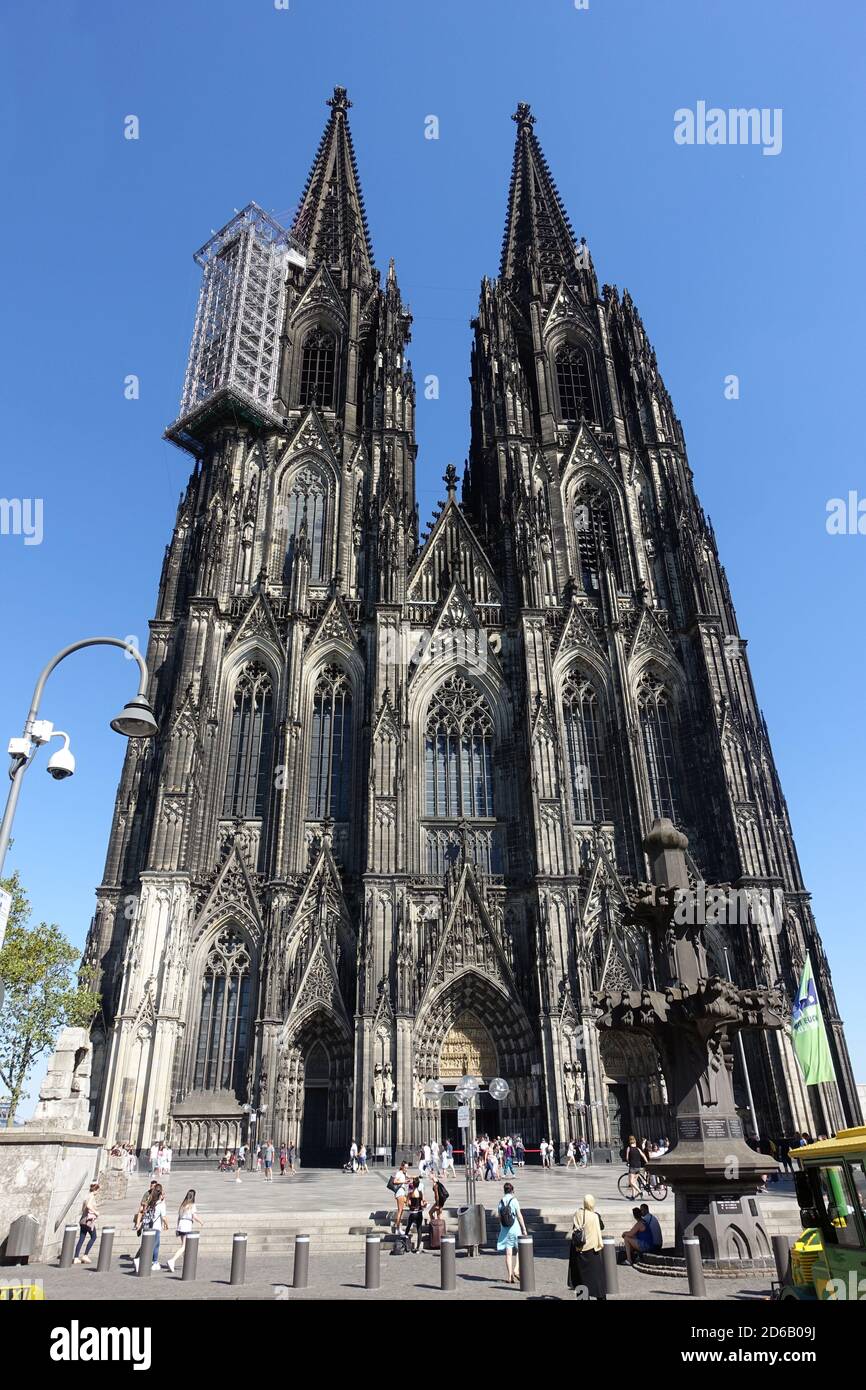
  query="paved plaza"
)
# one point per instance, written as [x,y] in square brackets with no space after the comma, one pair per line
[336,1209]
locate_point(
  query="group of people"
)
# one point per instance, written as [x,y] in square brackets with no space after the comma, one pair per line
[160,1160]
[125,1158]
[262,1158]
[414,1195]
[152,1215]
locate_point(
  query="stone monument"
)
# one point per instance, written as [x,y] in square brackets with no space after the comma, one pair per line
[714,1174]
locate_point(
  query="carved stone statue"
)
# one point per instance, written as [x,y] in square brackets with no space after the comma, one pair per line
[378,1085]
[388,1085]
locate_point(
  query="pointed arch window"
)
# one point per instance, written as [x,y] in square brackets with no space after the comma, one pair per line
[306,511]
[249,745]
[656,722]
[585,752]
[594,537]
[318,362]
[459,752]
[222,1043]
[330,762]
[574,382]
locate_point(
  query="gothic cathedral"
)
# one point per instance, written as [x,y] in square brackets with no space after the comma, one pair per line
[402,781]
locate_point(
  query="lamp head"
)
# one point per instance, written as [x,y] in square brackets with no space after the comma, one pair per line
[136,719]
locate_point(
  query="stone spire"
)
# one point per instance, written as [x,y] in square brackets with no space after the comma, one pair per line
[537,224]
[331,222]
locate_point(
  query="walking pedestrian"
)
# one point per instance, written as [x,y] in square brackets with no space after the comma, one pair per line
[508,1164]
[153,1219]
[186,1217]
[87,1226]
[570,1159]
[542,1149]
[585,1263]
[282,1160]
[362,1157]
[399,1185]
[268,1159]
[511,1223]
[290,1159]
[415,1205]
[520,1152]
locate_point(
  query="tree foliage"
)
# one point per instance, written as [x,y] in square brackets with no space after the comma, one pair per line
[44,993]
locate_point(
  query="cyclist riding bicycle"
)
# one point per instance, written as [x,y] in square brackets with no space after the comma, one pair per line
[636,1161]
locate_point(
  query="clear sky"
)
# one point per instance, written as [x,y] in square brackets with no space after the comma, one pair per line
[740,263]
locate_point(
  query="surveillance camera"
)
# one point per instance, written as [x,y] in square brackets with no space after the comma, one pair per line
[61,764]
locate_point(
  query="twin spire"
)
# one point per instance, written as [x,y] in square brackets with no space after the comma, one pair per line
[332,224]
[537,222]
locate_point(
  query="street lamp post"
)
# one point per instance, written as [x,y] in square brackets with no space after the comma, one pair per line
[467,1088]
[136,720]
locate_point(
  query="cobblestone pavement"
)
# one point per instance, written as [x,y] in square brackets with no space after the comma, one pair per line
[342,1277]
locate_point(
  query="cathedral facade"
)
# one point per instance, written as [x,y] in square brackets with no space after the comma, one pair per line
[402,781]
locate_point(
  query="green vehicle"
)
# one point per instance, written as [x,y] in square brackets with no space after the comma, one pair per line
[828,1262]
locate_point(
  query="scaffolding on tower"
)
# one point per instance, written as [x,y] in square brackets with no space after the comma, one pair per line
[234,355]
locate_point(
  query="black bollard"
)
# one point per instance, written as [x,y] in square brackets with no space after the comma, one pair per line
[611,1273]
[145,1259]
[527,1264]
[301,1270]
[782,1256]
[695,1267]
[190,1255]
[371,1267]
[68,1248]
[448,1249]
[239,1258]
[106,1246]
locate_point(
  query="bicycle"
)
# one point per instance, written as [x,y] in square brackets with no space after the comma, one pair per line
[649,1185]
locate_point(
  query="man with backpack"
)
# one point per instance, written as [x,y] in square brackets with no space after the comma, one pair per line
[511,1225]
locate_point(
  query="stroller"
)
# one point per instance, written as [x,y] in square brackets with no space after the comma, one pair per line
[351,1166]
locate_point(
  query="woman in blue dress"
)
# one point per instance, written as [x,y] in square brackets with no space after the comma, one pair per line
[511,1225]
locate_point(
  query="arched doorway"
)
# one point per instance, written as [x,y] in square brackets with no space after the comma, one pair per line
[313,1096]
[314,1126]
[468,1050]
[472,1026]
[636,1103]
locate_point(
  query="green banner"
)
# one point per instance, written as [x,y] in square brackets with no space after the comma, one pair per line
[810,1035]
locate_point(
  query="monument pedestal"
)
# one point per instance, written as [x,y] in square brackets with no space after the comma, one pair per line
[45,1174]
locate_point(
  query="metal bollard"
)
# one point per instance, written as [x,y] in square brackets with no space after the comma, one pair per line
[190,1255]
[695,1267]
[301,1270]
[371,1266]
[448,1248]
[611,1272]
[782,1256]
[145,1259]
[68,1248]
[239,1258]
[106,1246]
[526,1258]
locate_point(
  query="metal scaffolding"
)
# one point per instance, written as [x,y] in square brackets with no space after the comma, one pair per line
[235,342]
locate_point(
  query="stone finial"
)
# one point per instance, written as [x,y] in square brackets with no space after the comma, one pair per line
[64,1096]
[665,847]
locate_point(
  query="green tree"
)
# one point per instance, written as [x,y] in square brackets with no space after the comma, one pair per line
[44,993]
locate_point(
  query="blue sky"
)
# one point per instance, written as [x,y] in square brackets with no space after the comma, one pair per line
[739,263]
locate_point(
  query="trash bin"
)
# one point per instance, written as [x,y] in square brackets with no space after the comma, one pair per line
[471,1226]
[21,1240]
